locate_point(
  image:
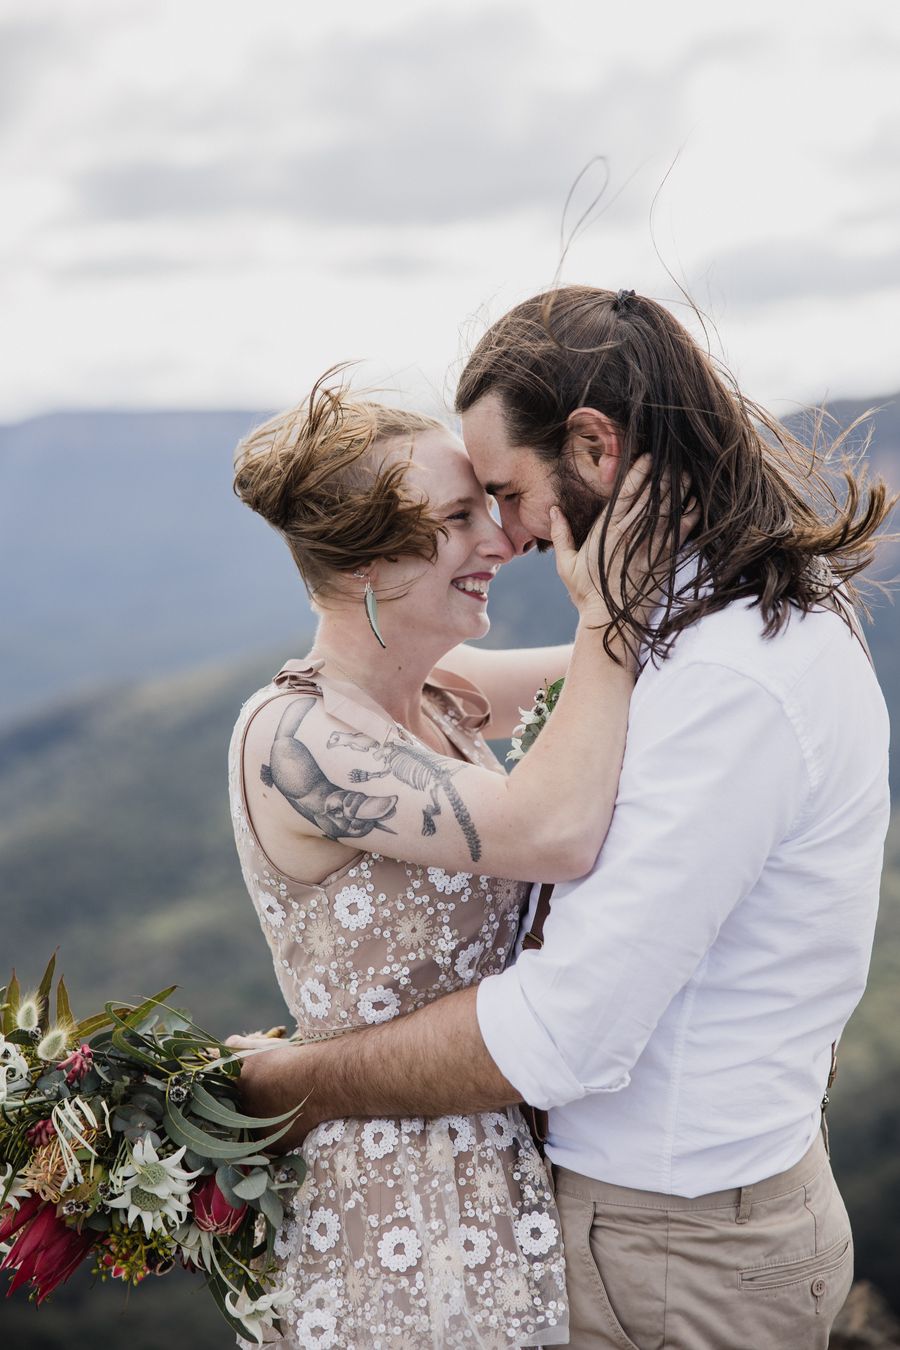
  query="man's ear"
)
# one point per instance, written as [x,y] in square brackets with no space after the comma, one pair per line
[595,446]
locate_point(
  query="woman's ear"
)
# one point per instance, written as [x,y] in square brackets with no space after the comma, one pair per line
[594,444]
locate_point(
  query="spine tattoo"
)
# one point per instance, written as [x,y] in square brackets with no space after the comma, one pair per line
[342,813]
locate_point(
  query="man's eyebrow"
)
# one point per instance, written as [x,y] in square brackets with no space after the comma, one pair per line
[493,488]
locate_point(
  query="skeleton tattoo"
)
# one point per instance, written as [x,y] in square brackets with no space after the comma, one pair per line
[341,813]
[418,768]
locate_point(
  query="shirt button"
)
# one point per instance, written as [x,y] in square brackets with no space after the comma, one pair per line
[819,1287]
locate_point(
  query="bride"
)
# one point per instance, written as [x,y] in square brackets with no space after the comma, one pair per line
[389,857]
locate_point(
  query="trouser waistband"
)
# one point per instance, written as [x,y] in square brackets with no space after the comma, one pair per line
[739,1197]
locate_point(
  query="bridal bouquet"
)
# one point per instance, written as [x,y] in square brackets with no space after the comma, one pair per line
[526,733]
[120,1140]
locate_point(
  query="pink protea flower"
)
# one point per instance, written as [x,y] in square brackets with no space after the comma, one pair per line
[44,1251]
[212,1212]
[78,1064]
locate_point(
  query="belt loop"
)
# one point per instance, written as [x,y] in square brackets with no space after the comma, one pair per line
[746,1201]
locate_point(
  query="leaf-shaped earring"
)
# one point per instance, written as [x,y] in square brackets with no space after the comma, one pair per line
[371,605]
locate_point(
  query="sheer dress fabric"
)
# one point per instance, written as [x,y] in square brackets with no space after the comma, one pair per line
[407,1233]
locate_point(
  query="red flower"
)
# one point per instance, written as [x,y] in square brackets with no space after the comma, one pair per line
[78,1064]
[41,1133]
[212,1212]
[45,1251]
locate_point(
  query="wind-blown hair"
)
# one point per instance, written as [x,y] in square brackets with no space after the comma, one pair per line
[770,516]
[315,474]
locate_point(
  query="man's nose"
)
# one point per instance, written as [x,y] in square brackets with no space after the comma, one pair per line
[515,532]
[522,542]
[498,544]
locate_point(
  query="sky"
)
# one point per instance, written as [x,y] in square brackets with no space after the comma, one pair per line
[207,204]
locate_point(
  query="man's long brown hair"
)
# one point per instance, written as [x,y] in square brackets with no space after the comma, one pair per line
[770,513]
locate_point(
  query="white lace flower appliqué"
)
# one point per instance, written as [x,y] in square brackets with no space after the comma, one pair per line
[462,1139]
[399,1249]
[315,998]
[271,908]
[331,1132]
[317,1329]
[353,908]
[447,885]
[467,961]
[322,1228]
[378,1004]
[379,1137]
[536,1232]
[476,1245]
[497,1128]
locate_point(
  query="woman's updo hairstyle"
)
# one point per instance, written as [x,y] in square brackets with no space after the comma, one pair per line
[312,473]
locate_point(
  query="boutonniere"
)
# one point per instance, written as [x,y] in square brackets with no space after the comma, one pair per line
[526,733]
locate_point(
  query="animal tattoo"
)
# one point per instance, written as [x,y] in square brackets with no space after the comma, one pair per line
[418,768]
[342,813]
[336,811]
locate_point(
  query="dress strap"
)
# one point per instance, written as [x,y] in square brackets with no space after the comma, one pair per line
[471,705]
[342,700]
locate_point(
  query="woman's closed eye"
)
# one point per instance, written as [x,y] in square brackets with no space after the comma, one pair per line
[460,515]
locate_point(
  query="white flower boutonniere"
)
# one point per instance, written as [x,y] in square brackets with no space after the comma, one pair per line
[526,733]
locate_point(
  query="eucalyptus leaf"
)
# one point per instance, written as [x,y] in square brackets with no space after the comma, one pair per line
[210,1108]
[53,1083]
[187,1132]
[227,1177]
[272,1207]
[251,1187]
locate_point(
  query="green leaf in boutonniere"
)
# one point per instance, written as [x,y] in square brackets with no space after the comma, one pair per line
[526,733]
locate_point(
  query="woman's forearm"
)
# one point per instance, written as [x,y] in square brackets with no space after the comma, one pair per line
[566,785]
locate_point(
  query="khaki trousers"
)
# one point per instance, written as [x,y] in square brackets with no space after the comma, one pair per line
[762,1267]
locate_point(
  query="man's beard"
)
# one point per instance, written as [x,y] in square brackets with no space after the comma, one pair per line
[578,503]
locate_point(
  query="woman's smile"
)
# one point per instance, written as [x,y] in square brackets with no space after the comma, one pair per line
[474,584]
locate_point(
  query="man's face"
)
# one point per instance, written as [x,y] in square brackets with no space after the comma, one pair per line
[524,485]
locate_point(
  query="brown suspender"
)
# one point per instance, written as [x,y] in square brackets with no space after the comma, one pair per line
[534,940]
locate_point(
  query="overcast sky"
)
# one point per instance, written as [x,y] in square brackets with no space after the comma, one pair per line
[208,202]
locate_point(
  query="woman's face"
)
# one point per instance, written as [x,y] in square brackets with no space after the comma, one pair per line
[449,597]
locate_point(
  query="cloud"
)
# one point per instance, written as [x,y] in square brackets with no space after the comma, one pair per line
[28,50]
[791,269]
[445,120]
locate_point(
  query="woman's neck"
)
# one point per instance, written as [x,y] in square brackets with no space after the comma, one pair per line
[393,676]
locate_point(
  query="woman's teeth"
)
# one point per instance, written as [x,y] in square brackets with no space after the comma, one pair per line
[471,586]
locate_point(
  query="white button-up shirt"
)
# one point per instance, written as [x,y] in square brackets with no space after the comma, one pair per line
[678,1020]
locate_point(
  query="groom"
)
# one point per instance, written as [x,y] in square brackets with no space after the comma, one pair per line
[678,1019]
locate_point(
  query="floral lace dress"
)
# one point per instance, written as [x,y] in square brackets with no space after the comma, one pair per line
[407,1233]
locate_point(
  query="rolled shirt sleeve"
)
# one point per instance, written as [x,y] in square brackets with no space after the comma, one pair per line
[714,777]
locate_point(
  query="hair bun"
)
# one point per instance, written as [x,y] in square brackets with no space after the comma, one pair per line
[309,473]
